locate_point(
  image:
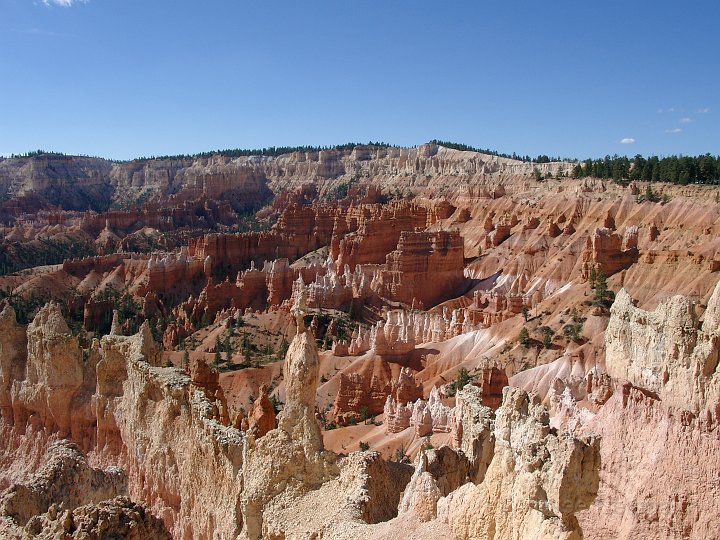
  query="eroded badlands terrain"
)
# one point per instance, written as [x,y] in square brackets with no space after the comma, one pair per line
[366,343]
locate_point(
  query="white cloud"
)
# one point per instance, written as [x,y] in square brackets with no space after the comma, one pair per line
[704,110]
[63,3]
[685,120]
[627,140]
[675,130]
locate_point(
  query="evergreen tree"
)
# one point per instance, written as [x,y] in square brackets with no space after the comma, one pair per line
[462,379]
[217,359]
[547,334]
[601,288]
[573,331]
[523,336]
[592,278]
[228,350]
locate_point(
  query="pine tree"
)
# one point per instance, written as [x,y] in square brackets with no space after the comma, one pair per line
[649,193]
[523,336]
[547,335]
[217,359]
[601,288]
[228,350]
[592,278]
[462,379]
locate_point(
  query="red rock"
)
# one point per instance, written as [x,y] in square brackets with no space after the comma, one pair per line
[491,381]
[603,251]
[261,418]
[427,267]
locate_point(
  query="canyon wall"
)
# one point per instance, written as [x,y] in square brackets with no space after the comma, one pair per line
[74,182]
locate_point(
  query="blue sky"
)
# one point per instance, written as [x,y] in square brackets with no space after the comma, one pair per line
[128,78]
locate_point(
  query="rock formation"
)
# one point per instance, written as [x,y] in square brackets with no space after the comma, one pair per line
[67,498]
[671,404]
[359,392]
[261,418]
[426,417]
[291,459]
[129,413]
[425,267]
[437,474]
[116,518]
[536,483]
[13,350]
[668,351]
[53,376]
[66,481]
[472,430]
[604,252]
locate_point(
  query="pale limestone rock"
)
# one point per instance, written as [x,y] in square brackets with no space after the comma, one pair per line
[54,371]
[116,518]
[373,486]
[13,356]
[473,430]
[659,431]
[426,417]
[366,491]
[165,434]
[289,460]
[437,474]
[667,351]
[535,484]
[66,480]
[421,496]
[127,411]
[659,471]
[115,328]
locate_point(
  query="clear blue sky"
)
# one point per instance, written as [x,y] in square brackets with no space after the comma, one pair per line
[127,78]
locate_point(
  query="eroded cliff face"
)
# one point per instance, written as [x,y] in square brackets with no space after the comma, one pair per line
[653,403]
[66,481]
[668,351]
[53,374]
[79,182]
[659,430]
[645,379]
[658,477]
[535,484]
[170,436]
[13,351]
[69,499]
[124,411]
